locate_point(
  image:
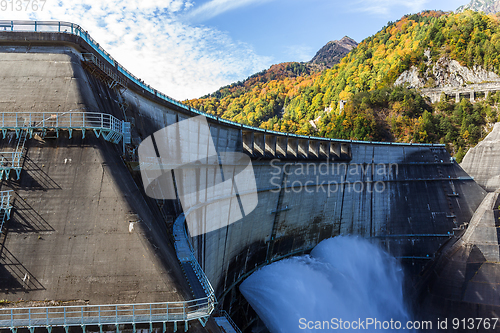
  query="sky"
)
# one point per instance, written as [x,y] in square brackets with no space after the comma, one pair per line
[189,48]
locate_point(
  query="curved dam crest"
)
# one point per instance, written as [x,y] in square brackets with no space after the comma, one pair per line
[409,199]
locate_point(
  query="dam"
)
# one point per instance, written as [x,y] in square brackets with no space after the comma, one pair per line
[83,247]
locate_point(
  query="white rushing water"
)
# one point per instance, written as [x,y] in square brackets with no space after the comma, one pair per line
[344,278]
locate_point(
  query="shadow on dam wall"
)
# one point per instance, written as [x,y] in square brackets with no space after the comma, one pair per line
[410,199]
[463,280]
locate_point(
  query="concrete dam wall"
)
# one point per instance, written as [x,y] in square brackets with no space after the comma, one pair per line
[410,203]
[81,231]
[409,198]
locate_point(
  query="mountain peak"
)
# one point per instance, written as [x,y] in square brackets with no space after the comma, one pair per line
[331,54]
[347,39]
[486,6]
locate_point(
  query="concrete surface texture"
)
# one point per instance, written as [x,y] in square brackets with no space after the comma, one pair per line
[43,79]
[482,161]
[81,229]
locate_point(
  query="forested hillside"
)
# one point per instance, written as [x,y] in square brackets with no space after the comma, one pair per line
[288,97]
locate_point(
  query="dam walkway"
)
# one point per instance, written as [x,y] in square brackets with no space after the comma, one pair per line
[99,315]
[111,128]
[200,286]
[26,123]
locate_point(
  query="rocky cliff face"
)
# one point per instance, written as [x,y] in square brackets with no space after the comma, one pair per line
[445,73]
[486,6]
[331,54]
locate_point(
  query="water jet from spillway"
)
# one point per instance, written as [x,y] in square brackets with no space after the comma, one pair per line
[344,278]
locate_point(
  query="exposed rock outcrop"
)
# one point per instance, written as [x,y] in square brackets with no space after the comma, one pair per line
[331,54]
[445,73]
[486,6]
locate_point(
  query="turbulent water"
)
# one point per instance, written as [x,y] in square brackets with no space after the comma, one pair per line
[341,285]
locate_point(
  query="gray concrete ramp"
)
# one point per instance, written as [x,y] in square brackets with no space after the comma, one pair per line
[467,274]
[465,278]
[483,161]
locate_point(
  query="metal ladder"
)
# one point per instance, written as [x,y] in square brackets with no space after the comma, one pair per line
[12,160]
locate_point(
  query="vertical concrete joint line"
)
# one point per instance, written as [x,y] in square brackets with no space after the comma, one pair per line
[270,246]
[344,183]
[237,194]
[372,185]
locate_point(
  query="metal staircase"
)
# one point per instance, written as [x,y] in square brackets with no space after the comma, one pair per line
[5,207]
[11,160]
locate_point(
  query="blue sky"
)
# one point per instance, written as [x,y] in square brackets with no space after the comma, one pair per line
[188,48]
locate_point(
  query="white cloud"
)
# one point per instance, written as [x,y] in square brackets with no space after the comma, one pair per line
[299,52]
[385,6]
[148,38]
[217,7]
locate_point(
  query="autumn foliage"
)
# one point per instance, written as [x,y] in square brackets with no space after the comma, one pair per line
[288,96]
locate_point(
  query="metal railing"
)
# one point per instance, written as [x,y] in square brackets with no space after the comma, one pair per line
[103,124]
[91,58]
[75,29]
[230,321]
[185,253]
[5,199]
[5,207]
[115,314]
[10,161]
